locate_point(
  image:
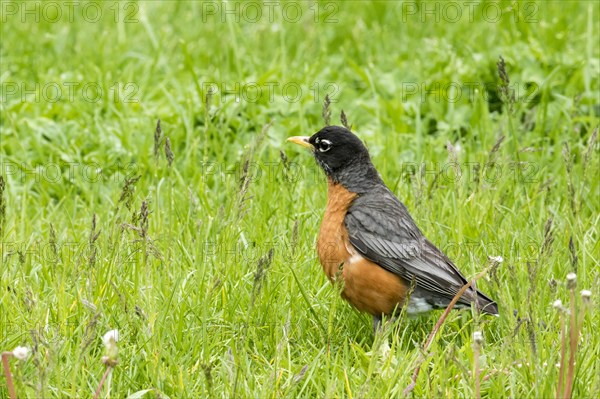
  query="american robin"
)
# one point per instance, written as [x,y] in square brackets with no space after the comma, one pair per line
[369,240]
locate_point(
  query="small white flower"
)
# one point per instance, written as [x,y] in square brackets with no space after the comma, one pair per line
[110,342]
[111,338]
[496,259]
[478,337]
[557,304]
[21,352]
[571,280]
[586,294]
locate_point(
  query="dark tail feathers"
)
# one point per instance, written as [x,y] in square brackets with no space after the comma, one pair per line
[485,304]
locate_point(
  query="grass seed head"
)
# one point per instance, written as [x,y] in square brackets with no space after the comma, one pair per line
[326,110]
[157,137]
[2,203]
[344,120]
[168,152]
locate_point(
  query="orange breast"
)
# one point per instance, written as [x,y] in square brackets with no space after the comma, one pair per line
[366,285]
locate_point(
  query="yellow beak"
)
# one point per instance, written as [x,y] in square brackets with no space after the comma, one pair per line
[301,140]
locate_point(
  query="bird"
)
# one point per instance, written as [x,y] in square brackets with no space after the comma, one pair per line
[370,242]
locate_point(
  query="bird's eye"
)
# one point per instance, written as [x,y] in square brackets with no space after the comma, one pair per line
[324,145]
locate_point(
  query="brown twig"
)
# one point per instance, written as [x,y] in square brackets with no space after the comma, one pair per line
[437,326]
[9,382]
[477,342]
[573,335]
[104,377]
[563,350]
[477,375]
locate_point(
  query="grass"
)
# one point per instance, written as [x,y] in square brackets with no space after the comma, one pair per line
[208,267]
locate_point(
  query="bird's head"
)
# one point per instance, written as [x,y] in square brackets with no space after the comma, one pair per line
[341,154]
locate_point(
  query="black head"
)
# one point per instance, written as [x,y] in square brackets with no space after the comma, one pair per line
[336,147]
[342,155]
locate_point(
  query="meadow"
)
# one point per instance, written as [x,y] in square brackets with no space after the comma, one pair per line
[195,238]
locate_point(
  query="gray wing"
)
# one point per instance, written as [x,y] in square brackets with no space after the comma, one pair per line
[381,229]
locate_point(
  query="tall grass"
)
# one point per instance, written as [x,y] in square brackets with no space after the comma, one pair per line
[195,238]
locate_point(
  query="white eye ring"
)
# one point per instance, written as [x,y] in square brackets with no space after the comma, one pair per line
[324,145]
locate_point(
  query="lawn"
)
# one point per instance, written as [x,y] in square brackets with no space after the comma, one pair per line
[196,241]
